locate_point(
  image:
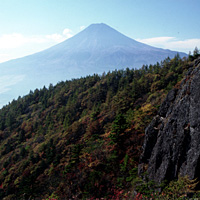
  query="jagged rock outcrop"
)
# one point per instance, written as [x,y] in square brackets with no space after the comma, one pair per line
[172,140]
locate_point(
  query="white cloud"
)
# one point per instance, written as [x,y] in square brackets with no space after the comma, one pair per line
[156,40]
[17,45]
[36,39]
[55,37]
[16,40]
[66,31]
[4,57]
[9,80]
[82,27]
[189,44]
[172,43]
[66,34]
[12,40]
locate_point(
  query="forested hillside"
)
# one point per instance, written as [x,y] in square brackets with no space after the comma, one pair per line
[82,138]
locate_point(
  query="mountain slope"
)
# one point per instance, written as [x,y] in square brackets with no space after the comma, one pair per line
[96,49]
[82,138]
[171,146]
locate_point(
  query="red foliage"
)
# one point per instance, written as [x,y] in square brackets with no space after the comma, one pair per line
[138,196]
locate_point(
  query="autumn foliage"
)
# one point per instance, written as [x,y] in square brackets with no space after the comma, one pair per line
[82,138]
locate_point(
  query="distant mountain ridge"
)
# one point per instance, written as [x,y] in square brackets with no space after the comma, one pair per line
[96,49]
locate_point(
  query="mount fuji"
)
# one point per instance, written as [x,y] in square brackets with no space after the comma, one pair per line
[97,49]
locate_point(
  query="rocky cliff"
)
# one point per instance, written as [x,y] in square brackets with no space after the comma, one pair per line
[172,140]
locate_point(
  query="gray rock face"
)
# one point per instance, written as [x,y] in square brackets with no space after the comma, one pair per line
[172,140]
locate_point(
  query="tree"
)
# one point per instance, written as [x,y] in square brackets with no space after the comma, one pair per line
[67,121]
[119,125]
[22,135]
[196,52]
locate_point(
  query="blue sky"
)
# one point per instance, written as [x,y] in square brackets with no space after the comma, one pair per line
[29,26]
